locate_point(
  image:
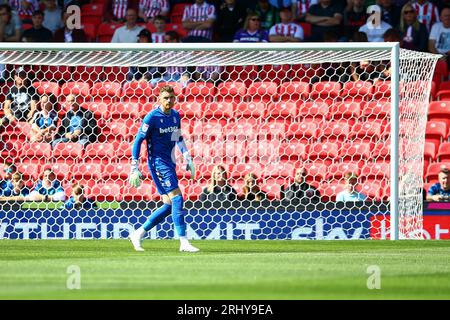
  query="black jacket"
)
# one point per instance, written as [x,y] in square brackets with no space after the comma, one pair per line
[89,125]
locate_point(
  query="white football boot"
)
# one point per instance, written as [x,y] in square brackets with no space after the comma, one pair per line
[185,246]
[136,239]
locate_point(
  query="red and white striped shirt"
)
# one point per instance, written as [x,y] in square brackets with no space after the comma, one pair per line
[287,30]
[152,8]
[302,6]
[158,37]
[120,8]
[198,13]
[21,10]
[427,13]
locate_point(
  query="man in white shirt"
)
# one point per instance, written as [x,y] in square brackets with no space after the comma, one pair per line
[286,31]
[129,32]
[350,194]
[439,40]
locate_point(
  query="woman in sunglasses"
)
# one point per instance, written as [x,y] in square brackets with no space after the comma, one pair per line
[414,34]
[252,31]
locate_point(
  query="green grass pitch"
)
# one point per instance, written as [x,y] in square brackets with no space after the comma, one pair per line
[256,270]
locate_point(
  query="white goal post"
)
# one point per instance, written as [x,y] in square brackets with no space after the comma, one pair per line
[389,75]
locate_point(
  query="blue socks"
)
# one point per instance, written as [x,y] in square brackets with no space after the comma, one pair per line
[178,215]
[157,216]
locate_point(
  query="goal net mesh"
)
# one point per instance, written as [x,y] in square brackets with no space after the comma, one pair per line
[290,144]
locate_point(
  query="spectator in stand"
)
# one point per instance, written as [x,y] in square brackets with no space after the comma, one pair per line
[10,24]
[160,25]
[280,4]
[38,33]
[350,194]
[48,189]
[24,8]
[68,33]
[199,19]
[172,73]
[286,30]
[324,16]
[44,122]
[118,10]
[375,33]
[414,35]
[251,190]
[52,16]
[143,73]
[300,8]
[301,190]
[427,12]
[439,41]
[268,14]
[440,191]
[252,31]
[355,17]
[129,32]
[390,13]
[9,169]
[150,9]
[218,189]
[20,103]
[230,19]
[78,200]
[17,191]
[78,125]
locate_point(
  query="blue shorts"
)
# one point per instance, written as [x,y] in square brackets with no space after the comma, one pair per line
[164,176]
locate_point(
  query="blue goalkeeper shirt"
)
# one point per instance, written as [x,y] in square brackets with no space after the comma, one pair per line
[161,131]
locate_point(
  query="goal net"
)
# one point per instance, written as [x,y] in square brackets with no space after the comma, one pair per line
[301,141]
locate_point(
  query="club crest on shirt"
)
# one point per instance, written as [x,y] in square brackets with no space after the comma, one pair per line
[161,120]
[144,127]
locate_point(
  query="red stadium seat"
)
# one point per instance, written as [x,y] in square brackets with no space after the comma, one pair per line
[200,91]
[245,74]
[293,151]
[231,91]
[116,74]
[275,129]
[116,171]
[338,170]
[326,90]
[90,31]
[87,74]
[378,170]
[116,131]
[29,170]
[191,109]
[122,151]
[38,152]
[275,73]
[443,153]
[51,73]
[219,110]
[176,14]
[355,151]
[9,149]
[262,91]
[92,14]
[368,130]
[283,109]
[106,31]
[278,170]
[106,91]
[264,151]
[211,130]
[241,169]
[107,191]
[303,131]
[178,27]
[124,110]
[294,90]
[47,87]
[68,152]
[325,151]
[313,110]
[334,131]
[146,192]
[99,109]
[430,151]
[376,110]
[329,190]
[382,90]
[241,130]
[76,88]
[373,190]
[250,110]
[439,111]
[436,132]
[89,170]
[234,151]
[357,90]
[315,171]
[272,187]
[101,152]
[346,110]
[137,91]
[381,151]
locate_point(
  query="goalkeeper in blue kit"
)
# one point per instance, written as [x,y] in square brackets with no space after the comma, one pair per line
[161,129]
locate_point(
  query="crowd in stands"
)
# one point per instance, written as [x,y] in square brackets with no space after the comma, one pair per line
[418,25]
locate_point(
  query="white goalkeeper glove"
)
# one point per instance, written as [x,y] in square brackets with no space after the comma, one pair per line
[135,175]
[190,167]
